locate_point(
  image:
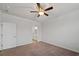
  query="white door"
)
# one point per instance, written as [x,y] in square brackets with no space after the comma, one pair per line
[9,35]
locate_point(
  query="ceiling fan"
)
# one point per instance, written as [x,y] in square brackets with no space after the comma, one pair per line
[41,10]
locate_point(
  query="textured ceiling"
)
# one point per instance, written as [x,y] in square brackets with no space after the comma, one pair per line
[23,9]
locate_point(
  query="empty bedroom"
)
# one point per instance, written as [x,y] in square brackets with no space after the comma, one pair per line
[39,29]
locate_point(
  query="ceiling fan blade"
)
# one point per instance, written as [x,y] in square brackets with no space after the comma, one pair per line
[39,7]
[38,4]
[46,14]
[33,11]
[48,8]
[38,15]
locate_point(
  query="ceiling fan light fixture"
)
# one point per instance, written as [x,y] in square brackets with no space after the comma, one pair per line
[41,13]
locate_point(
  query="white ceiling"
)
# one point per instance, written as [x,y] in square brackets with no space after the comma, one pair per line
[23,9]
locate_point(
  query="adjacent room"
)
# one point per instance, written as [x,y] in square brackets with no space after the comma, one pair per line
[39,29]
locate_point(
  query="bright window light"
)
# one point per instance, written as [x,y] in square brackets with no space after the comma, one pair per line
[36,27]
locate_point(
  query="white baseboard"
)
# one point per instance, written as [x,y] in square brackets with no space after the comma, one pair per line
[61,46]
